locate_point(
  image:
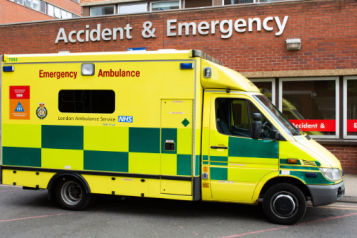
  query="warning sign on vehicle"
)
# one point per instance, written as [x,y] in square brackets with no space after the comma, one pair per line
[20,102]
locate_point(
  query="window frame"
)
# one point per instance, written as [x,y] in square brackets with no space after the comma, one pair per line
[139,3]
[345,79]
[272,80]
[337,100]
[114,7]
[180,4]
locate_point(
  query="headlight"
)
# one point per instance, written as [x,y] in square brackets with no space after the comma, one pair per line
[331,174]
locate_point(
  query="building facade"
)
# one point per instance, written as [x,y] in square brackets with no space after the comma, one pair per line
[301,54]
[13,11]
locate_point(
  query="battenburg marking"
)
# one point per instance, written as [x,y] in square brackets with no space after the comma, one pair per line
[41,111]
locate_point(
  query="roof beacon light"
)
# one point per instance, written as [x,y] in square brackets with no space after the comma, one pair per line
[136,49]
[88,69]
[8,68]
[187,66]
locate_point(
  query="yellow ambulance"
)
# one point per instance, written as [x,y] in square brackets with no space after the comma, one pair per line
[161,124]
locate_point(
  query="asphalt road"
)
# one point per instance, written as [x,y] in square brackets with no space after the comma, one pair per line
[26,213]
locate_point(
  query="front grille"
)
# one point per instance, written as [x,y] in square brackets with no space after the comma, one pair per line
[308,163]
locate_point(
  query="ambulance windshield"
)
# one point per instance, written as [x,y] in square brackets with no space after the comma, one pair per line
[270,108]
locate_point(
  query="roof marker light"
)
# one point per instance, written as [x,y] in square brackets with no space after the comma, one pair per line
[136,49]
[187,66]
[8,68]
[88,69]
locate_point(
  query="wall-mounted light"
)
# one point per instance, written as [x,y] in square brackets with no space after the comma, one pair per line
[293,44]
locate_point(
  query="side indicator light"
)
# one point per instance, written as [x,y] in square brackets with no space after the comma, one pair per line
[311,175]
[8,68]
[205,185]
[205,169]
[292,161]
[187,66]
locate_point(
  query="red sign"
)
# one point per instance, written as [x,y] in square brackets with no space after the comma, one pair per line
[19,92]
[20,102]
[315,125]
[351,125]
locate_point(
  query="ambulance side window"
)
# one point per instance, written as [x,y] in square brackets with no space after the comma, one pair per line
[86,101]
[232,117]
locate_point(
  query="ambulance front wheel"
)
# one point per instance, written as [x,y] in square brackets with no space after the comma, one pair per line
[70,194]
[284,204]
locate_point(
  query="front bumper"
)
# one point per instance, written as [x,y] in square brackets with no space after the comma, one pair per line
[326,194]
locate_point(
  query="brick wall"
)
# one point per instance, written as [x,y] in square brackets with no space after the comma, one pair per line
[11,13]
[68,5]
[347,155]
[327,30]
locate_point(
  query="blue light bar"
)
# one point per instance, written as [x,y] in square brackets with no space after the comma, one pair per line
[186,65]
[136,49]
[8,68]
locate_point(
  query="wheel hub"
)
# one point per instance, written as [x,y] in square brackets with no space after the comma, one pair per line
[284,205]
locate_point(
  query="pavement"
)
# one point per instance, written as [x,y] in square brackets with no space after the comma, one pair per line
[25,213]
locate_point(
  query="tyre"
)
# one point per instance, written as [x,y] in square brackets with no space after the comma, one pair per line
[284,204]
[70,194]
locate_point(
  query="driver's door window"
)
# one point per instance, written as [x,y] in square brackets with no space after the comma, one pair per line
[235,118]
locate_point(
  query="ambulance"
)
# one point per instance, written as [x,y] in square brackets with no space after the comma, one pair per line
[162,124]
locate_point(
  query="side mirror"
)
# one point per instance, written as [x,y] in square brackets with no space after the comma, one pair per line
[257,125]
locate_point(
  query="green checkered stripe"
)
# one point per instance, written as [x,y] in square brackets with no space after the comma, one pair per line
[240,147]
[142,145]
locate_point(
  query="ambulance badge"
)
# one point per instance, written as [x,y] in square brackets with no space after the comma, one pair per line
[41,111]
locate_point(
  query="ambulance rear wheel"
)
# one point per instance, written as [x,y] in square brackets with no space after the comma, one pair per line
[284,204]
[70,194]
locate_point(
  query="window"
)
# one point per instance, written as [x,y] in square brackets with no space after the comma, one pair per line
[350,107]
[43,6]
[28,3]
[235,117]
[230,2]
[86,101]
[57,12]
[20,2]
[159,6]
[63,14]
[69,15]
[311,104]
[36,4]
[266,87]
[105,10]
[50,10]
[126,9]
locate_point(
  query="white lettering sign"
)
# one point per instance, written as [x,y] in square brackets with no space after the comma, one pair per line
[175,28]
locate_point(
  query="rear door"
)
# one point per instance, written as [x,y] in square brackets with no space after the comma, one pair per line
[236,161]
[176,146]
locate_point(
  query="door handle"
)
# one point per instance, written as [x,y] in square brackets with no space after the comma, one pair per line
[219,147]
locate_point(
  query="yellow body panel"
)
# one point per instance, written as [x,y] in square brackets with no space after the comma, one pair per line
[167,105]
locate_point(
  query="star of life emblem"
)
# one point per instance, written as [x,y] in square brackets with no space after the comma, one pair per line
[41,111]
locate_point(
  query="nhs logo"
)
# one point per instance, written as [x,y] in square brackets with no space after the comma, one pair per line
[125,119]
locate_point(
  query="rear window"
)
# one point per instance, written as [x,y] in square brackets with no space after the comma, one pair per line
[86,101]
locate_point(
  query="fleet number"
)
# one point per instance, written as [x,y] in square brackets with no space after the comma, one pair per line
[12,59]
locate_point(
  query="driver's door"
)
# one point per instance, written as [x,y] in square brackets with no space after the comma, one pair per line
[236,161]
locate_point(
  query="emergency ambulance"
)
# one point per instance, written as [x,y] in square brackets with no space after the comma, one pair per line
[163,124]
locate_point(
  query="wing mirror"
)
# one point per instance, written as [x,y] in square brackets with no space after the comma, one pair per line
[257,125]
